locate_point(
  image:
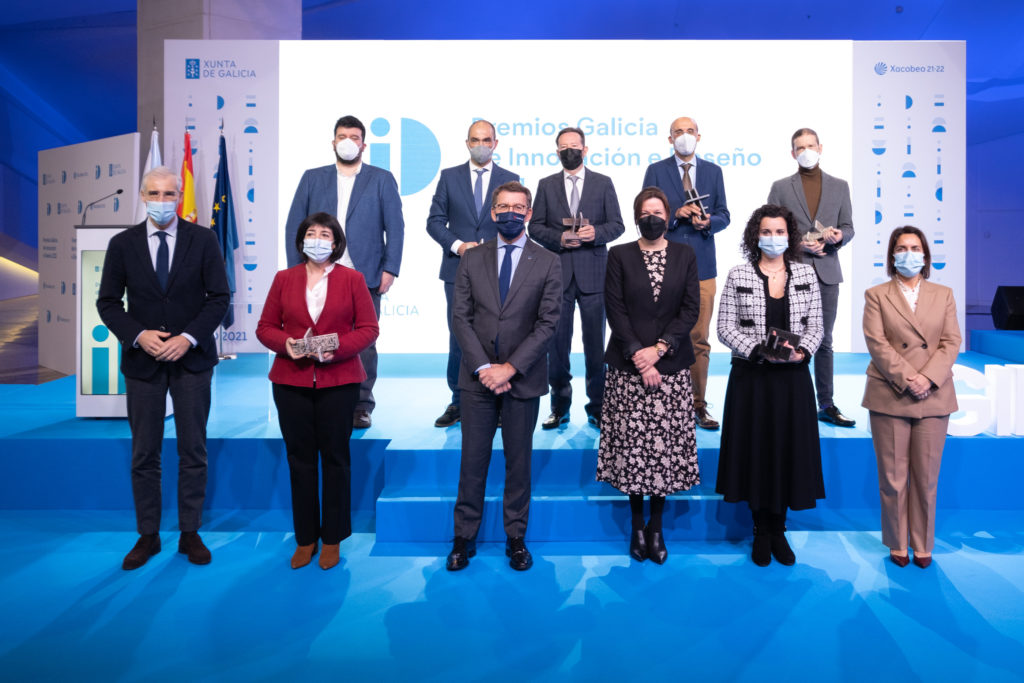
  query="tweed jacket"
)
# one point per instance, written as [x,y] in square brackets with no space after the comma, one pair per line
[741,310]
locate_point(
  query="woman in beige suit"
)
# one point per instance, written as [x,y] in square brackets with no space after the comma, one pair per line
[912,334]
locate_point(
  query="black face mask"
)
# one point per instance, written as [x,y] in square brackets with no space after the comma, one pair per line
[571,158]
[510,224]
[651,227]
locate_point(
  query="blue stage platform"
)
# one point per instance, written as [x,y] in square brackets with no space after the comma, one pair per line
[405,471]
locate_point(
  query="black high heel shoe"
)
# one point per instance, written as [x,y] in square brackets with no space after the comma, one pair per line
[638,545]
[656,550]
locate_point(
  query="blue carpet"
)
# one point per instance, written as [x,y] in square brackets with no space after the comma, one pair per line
[584,612]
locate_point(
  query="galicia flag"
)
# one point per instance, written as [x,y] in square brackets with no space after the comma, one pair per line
[222,222]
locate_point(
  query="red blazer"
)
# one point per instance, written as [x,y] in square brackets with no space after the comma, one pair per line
[347,311]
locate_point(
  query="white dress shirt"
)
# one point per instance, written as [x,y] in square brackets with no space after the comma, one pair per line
[317,296]
[345,184]
[485,179]
[568,183]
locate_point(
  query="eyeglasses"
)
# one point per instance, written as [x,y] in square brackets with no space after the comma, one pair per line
[518,208]
[156,194]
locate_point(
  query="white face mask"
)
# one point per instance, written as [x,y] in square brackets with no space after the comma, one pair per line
[685,144]
[909,263]
[773,245]
[808,158]
[347,150]
[317,250]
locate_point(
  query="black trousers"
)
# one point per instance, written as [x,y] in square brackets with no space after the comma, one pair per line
[316,425]
[592,321]
[368,357]
[146,401]
[480,412]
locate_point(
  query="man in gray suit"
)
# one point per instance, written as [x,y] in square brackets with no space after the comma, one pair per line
[505,310]
[577,191]
[816,197]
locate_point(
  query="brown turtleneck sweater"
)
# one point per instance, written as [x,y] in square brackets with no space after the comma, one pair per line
[811,180]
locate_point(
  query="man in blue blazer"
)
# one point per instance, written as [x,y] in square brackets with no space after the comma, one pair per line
[460,219]
[177,288]
[365,200]
[694,224]
[577,191]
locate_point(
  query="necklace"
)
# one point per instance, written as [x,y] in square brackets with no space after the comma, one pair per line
[772,274]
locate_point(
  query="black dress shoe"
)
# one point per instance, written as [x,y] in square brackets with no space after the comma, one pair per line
[519,558]
[450,416]
[555,419]
[638,545]
[361,419]
[146,547]
[705,421]
[656,549]
[832,414]
[190,544]
[462,550]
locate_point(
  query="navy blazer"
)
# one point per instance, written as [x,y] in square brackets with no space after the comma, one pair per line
[453,212]
[599,205]
[517,332]
[195,301]
[374,227]
[637,320]
[665,176]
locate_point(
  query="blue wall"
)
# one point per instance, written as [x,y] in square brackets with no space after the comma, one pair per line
[67,75]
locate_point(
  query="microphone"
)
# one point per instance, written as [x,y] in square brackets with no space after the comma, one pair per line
[86,209]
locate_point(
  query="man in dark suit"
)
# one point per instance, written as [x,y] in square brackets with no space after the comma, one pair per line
[695,223]
[173,272]
[576,191]
[365,200]
[815,196]
[460,219]
[507,300]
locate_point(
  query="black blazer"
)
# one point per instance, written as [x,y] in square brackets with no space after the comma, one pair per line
[195,301]
[636,320]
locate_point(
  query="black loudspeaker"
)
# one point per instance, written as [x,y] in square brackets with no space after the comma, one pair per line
[1008,308]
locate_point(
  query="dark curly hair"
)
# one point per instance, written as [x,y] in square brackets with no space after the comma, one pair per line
[750,233]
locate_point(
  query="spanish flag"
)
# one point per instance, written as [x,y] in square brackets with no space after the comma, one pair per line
[187,208]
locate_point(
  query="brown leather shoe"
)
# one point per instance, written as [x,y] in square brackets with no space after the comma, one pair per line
[146,547]
[923,561]
[330,555]
[361,419]
[190,544]
[705,421]
[303,555]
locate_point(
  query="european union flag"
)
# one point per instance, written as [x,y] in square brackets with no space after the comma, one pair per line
[222,223]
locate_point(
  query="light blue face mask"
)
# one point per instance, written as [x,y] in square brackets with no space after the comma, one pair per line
[317,250]
[161,212]
[773,245]
[909,263]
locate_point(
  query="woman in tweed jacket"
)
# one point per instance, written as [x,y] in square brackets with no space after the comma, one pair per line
[770,455]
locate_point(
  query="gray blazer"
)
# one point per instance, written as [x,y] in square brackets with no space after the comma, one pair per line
[522,328]
[834,210]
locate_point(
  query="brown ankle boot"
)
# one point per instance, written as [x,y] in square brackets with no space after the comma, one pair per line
[330,555]
[303,555]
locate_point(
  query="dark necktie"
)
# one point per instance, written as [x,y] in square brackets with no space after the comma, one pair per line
[162,257]
[505,274]
[478,189]
[687,183]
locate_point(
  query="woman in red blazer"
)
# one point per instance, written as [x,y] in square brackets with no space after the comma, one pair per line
[316,399]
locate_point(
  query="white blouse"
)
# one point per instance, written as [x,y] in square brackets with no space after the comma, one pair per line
[316,297]
[911,293]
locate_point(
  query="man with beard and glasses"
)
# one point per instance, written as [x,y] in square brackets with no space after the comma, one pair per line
[576,215]
[365,200]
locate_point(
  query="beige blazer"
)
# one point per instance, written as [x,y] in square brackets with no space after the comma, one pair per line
[903,343]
